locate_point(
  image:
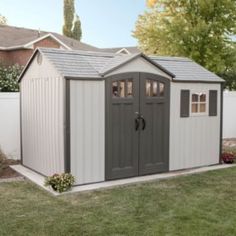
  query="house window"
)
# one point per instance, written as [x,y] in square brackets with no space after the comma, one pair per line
[198,103]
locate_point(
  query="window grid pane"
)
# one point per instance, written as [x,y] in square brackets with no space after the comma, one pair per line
[130,88]
[148,88]
[195,98]
[203,108]
[203,97]
[161,89]
[194,108]
[122,88]
[115,92]
[154,88]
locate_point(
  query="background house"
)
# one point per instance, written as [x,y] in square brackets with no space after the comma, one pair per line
[17,44]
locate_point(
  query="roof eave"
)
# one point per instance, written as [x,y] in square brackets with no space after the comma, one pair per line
[199,81]
[15,48]
[30,44]
[83,77]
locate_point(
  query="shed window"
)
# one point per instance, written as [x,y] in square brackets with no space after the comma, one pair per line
[154,88]
[198,103]
[122,88]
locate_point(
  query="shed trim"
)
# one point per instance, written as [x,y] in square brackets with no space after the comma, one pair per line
[85,78]
[67,146]
[198,81]
[21,135]
[221,120]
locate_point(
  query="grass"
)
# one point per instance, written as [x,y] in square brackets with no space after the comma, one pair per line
[201,204]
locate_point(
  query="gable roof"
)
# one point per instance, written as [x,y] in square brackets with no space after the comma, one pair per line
[186,70]
[24,38]
[87,64]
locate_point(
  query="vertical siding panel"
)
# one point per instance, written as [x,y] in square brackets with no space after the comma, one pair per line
[42,134]
[87,131]
[194,141]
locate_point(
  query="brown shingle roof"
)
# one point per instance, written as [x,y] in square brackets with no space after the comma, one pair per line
[11,36]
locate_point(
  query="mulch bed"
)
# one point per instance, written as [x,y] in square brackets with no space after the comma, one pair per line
[5,170]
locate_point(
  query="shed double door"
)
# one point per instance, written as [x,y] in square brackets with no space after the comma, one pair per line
[137,125]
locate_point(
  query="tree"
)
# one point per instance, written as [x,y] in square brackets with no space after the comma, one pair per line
[72,24]
[69,11]
[3,20]
[229,74]
[151,3]
[77,32]
[199,29]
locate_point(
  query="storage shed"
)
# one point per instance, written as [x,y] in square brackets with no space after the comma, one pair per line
[104,116]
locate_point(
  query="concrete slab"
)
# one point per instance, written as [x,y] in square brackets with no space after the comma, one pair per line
[39,179]
[33,176]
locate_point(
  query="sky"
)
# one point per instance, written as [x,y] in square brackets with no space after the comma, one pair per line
[105,23]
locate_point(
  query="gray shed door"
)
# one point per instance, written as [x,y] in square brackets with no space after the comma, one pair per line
[137,125]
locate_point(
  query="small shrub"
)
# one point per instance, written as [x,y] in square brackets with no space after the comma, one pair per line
[228,157]
[60,182]
[8,78]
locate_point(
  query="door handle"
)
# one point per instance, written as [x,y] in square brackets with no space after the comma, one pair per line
[137,123]
[144,122]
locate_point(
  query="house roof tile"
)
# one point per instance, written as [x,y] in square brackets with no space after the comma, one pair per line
[14,36]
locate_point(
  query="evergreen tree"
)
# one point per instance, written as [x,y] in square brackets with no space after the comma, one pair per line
[3,20]
[77,32]
[69,11]
[72,24]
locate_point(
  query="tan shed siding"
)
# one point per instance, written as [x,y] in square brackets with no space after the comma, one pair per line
[194,140]
[42,101]
[87,122]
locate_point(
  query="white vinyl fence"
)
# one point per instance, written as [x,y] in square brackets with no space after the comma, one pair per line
[10,124]
[229,115]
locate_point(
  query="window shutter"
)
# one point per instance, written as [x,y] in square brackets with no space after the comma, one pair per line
[213,103]
[184,103]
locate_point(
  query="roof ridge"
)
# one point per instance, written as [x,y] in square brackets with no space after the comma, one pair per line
[78,52]
[170,58]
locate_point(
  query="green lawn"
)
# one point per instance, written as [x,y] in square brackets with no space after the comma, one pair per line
[201,204]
